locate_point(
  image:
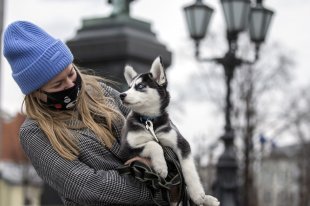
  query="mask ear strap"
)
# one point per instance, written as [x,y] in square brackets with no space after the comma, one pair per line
[40,94]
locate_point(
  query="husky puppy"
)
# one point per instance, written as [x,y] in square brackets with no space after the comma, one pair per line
[148,128]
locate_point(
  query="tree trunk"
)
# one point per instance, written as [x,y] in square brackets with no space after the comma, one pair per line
[249,189]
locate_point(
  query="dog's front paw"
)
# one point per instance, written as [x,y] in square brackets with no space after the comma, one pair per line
[161,169]
[205,200]
[163,172]
[210,201]
[198,198]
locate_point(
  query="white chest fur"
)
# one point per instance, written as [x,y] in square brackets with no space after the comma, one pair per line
[137,139]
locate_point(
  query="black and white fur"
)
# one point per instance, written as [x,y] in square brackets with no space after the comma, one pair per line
[148,99]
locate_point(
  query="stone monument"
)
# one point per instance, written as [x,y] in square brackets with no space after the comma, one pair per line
[107,44]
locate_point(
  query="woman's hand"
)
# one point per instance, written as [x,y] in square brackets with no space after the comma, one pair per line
[144,160]
[174,194]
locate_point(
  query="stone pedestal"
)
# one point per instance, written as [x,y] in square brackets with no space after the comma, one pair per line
[106,45]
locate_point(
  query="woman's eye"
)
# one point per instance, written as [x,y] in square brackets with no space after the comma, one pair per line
[71,74]
[56,85]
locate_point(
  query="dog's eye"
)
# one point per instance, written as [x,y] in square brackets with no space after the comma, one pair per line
[140,86]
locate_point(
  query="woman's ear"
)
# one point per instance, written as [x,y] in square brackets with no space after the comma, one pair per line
[40,95]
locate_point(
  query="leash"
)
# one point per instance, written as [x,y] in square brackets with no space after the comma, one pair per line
[159,186]
[183,196]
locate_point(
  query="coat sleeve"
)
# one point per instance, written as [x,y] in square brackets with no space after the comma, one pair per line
[77,182]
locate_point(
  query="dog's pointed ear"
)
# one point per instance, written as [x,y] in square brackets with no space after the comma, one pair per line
[158,72]
[129,74]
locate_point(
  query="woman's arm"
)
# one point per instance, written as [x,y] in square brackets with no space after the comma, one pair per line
[76,181]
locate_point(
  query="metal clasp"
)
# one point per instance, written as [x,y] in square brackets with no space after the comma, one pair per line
[149,127]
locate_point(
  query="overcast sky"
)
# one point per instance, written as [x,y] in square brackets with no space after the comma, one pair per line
[61,18]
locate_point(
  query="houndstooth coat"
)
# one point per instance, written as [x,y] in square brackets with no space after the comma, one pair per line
[92,178]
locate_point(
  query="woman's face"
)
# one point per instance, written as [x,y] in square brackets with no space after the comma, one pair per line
[64,80]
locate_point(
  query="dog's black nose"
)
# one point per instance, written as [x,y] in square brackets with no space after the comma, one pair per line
[122,96]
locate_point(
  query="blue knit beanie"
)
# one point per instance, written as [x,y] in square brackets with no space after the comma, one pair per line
[35,56]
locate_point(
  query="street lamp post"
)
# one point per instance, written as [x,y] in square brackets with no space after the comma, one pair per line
[239,17]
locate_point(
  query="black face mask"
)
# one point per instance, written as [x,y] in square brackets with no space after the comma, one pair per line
[65,99]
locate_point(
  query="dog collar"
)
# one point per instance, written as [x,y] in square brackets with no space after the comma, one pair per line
[143,119]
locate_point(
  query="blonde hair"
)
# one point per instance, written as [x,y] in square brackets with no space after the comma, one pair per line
[91,103]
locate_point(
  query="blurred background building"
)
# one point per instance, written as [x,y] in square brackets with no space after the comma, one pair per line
[277,177]
[283,176]
[19,183]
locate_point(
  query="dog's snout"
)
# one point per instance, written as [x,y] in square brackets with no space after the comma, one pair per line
[122,96]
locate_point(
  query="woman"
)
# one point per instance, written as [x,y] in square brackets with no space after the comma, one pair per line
[72,131]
